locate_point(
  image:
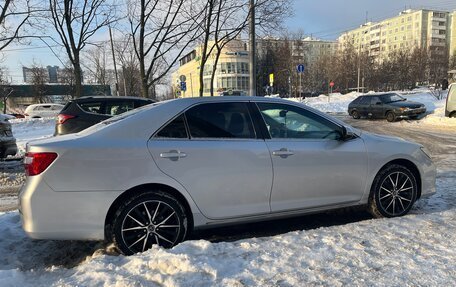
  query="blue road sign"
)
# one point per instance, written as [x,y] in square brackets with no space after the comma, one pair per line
[183,86]
[300,68]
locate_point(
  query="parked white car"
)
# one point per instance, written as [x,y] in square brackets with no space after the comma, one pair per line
[450,108]
[43,110]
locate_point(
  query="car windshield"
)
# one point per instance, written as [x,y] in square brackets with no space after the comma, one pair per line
[390,98]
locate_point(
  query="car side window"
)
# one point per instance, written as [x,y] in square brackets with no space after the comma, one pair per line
[375,100]
[364,101]
[220,120]
[175,129]
[117,108]
[291,122]
[91,107]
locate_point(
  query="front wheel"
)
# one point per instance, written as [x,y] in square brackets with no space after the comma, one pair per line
[148,219]
[453,115]
[393,192]
[390,117]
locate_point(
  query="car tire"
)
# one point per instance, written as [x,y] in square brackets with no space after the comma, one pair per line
[355,115]
[453,115]
[390,117]
[150,218]
[393,192]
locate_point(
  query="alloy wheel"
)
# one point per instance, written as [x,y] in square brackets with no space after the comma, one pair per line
[150,222]
[396,194]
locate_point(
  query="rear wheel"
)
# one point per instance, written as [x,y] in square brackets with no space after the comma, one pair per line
[355,115]
[453,115]
[390,117]
[393,192]
[148,219]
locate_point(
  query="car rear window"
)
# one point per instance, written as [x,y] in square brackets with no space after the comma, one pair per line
[117,108]
[175,129]
[91,107]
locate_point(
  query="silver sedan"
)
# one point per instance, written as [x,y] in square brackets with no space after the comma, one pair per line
[152,175]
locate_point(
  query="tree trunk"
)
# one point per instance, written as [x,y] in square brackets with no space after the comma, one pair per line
[77,77]
[214,69]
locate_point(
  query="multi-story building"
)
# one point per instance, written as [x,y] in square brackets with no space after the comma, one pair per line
[232,73]
[411,28]
[50,72]
[305,51]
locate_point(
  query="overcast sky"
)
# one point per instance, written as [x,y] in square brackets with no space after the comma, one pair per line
[325,19]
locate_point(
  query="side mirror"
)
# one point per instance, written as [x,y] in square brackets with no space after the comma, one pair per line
[345,134]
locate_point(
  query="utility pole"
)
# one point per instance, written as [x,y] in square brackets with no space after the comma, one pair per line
[252,71]
[114,60]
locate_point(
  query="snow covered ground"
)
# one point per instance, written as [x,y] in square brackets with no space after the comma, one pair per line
[415,250]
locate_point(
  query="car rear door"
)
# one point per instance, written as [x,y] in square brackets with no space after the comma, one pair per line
[312,168]
[363,106]
[214,152]
[376,107]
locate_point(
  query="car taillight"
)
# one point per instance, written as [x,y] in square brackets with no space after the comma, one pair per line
[36,162]
[61,118]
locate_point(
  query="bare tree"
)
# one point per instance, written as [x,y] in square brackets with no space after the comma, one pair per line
[225,20]
[14,16]
[96,64]
[129,80]
[76,22]
[67,77]
[5,90]
[162,30]
[39,78]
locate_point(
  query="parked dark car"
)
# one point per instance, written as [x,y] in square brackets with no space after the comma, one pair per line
[386,105]
[84,112]
[7,141]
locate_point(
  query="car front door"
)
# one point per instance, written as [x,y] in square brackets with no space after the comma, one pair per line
[218,159]
[312,166]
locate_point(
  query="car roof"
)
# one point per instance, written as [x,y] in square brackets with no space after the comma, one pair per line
[45,104]
[110,98]
[379,94]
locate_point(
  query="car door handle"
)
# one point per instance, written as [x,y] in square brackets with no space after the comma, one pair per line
[173,154]
[283,153]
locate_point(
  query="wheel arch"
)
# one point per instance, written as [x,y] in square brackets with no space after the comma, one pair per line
[144,188]
[408,164]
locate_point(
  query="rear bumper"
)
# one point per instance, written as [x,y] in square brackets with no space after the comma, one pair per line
[47,214]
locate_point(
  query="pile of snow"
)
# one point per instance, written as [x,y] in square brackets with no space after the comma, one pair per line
[25,130]
[417,249]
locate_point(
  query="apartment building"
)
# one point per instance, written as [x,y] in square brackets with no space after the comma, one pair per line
[304,51]
[232,73]
[411,28]
[51,74]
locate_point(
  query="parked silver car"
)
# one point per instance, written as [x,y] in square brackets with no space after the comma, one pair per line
[152,175]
